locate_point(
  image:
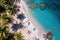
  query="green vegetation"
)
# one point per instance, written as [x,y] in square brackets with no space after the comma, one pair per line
[5,35]
[4,32]
[15,36]
[8,5]
[5,18]
[7,9]
[18,36]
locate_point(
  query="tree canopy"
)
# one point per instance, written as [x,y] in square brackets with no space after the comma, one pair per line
[7,8]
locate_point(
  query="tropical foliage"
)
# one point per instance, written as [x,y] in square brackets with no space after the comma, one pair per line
[7,8]
[4,19]
[5,35]
[15,36]
[8,5]
[18,36]
[4,32]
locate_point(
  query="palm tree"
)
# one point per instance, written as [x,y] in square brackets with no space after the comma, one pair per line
[8,5]
[2,3]
[4,32]
[11,6]
[18,36]
[15,36]
[14,10]
[6,18]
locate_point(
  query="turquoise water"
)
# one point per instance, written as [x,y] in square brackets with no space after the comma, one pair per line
[48,22]
[48,18]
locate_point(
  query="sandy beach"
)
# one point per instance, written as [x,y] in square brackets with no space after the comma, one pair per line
[40,31]
[31,28]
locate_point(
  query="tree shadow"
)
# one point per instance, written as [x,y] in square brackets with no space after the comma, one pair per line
[21,16]
[17,26]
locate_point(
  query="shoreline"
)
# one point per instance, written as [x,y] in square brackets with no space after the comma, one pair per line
[34,22]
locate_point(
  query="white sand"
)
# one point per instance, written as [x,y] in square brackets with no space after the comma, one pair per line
[39,31]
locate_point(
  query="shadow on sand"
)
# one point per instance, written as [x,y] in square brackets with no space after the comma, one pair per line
[17,26]
[21,16]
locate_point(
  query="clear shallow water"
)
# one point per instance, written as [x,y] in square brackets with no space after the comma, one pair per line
[48,18]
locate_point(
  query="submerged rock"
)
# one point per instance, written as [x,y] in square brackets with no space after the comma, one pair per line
[42,6]
[33,5]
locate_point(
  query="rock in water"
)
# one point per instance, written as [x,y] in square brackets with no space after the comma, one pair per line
[42,6]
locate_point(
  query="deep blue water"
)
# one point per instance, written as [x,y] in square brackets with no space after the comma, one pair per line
[49,18]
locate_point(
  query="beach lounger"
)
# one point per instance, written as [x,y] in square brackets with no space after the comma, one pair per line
[34,29]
